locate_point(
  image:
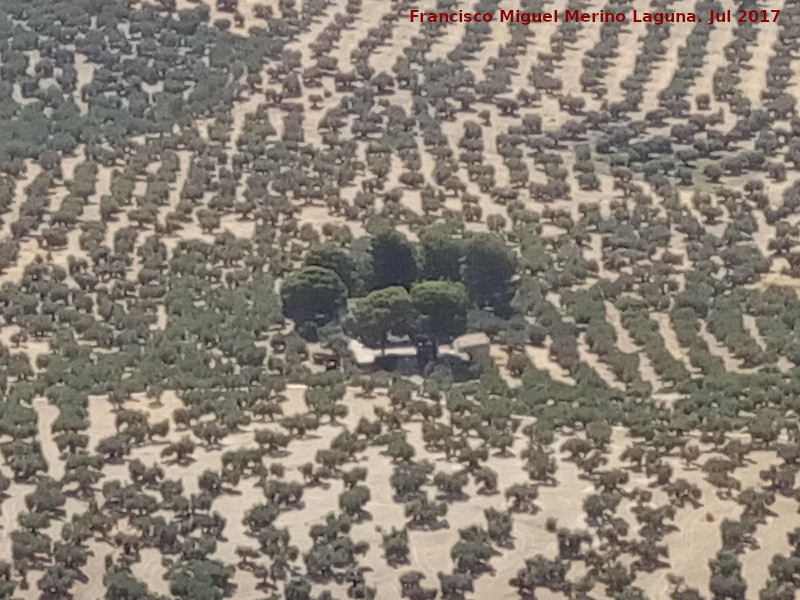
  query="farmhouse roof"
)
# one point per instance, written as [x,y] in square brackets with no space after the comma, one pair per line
[470,340]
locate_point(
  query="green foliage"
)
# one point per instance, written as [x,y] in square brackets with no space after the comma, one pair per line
[122,585]
[726,577]
[540,572]
[333,551]
[352,501]
[440,254]
[139,98]
[395,546]
[472,551]
[382,312]
[487,270]
[199,579]
[313,294]
[442,306]
[335,258]
[393,259]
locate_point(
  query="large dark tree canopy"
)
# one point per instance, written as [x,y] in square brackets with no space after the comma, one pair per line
[380,313]
[337,259]
[487,269]
[441,254]
[442,308]
[393,259]
[313,294]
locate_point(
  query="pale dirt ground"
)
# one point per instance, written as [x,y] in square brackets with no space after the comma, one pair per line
[690,547]
[602,369]
[541,359]
[719,349]
[695,538]
[670,338]
[718,38]
[626,344]
[665,69]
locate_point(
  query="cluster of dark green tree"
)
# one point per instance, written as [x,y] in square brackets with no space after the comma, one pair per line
[133,48]
[399,288]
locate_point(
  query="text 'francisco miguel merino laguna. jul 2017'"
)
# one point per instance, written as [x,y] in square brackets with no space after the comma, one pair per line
[634,16]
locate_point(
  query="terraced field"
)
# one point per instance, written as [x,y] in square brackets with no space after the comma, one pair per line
[203,206]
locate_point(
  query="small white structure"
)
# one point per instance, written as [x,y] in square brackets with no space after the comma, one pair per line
[401,356]
[366,356]
[475,345]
